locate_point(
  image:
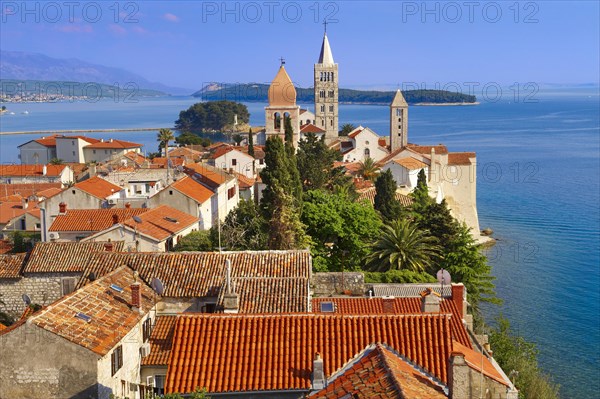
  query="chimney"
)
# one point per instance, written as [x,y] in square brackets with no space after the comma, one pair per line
[136,297]
[62,208]
[431,164]
[108,246]
[230,299]
[458,377]
[24,203]
[430,301]
[458,297]
[92,170]
[388,305]
[128,205]
[115,218]
[318,376]
[44,170]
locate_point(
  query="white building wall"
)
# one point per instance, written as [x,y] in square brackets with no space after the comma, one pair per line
[243,163]
[70,149]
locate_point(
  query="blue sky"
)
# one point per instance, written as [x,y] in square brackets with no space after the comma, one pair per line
[377,44]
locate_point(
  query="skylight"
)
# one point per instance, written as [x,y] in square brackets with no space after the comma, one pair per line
[84,317]
[116,288]
[327,307]
[169,219]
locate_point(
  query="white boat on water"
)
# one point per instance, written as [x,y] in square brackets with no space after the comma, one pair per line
[25,112]
[12,113]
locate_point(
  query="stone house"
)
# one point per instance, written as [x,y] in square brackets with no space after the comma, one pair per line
[237,160]
[33,174]
[155,230]
[364,143]
[92,340]
[19,216]
[405,171]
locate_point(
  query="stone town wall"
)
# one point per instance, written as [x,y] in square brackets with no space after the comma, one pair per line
[328,284]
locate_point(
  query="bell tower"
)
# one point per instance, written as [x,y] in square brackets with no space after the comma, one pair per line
[282,105]
[326,92]
[398,122]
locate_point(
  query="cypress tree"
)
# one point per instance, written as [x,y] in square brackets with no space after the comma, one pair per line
[385,197]
[250,143]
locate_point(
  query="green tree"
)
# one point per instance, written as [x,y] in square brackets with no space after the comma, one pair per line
[164,137]
[340,230]
[315,163]
[399,277]
[187,138]
[402,245]
[286,231]
[420,194]
[346,129]
[289,131]
[368,169]
[56,161]
[244,228]
[18,242]
[195,241]
[211,116]
[385,197]
[250,143]
[237,139]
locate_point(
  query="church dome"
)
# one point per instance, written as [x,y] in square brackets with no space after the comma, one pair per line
[282,91]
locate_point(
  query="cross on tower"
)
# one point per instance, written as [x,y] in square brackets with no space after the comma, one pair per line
[325,25]
[282,61]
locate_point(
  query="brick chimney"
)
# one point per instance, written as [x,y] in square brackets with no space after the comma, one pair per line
[25,203]
[430,301]
[458,377]
[136,297]
[128,205]
[318,375]
[62,208]
[458,297]
[115,218]
[388,305]
[108,246]
[230,299]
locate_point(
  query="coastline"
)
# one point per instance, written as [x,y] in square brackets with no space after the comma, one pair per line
[139,129]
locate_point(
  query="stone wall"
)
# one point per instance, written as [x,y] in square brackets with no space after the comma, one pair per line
[42,288]
[39,364]
[329,284]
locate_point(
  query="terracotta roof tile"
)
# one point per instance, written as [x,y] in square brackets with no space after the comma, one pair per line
[111,314]
[426,149]
[11,210]
[356,132]
[162,222]
[50,141]
[410,163]
[310,128]
[136,157]
[460,158]
[54,257]
[232,353]
[50,192]
[370,192]
[2,327]
[161,162]
[113,144]
[244,181]
[270,294]
[209,175]
[377,305]
[31,170]
[194,274]
[161,340]
[10,265]
[193,189]
[476,360]
[98,187]
[92,219]
[379,372]
[5,246]
[26,190]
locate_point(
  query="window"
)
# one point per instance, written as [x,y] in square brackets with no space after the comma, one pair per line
[170,192]
[261,161]
[331,75]
[331,108]
[94,151]
[367,153]
[331,122]
[331,93]
[322,108]
[159,384]
[231,193]
[73,153]
[68,285]
[116,359]
[398,112]
[72,142]
[327,307]
[106,151]
[399,119]
[233,162]
[322,94]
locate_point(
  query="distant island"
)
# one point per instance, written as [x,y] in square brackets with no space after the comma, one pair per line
[257,92]
[14,90]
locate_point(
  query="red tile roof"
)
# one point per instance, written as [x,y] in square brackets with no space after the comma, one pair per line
[193,189]
[161,340]
[50,141]
[162,222]
[136,157]
[460,158]
[244,181]
[382,142]
[49,192]
[426,149]
[111,314]
[356,132]
[379,372]
[197,274]
[56,257]
[5,246]
[369,194]
[209,175]
[310,128]
[410,163]
[92,219]
[378,305]
[232,353]
[2,327]
[10,265]
[11,210]
[26,190]
[98,187]
[270,294]
[31,170]
[479,362]
[161,162]
[112,144]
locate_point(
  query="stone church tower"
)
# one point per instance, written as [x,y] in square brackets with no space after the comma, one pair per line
[282,104]
[326,93]
[398,122]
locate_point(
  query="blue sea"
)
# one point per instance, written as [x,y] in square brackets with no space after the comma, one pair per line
[537,188]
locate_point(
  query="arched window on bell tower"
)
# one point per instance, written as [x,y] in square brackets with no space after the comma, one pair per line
[277,121]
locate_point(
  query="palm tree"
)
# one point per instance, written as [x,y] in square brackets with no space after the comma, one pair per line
[403,245]
[164,137]
[368,169]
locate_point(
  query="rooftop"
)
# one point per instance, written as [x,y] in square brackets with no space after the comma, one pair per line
[162,222]
[98,187]
[92,219]
[10,265]
[161,340]
[460,158]
[369,194]
[193,189]
[31,170]
[27,190]
[282,91]
[112,144]
[410,163]
[310,128]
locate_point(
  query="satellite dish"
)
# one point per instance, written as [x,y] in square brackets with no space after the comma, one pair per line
[26,299]
[157,286]
[144,205]
[180,168]
[92,276]
[443,277]
[137,219]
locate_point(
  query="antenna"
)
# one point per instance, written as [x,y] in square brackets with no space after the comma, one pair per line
[443,277]
[26,299]
[325,25]
[228,265]
[157,286]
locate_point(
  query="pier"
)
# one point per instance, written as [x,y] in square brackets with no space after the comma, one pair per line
[50,132]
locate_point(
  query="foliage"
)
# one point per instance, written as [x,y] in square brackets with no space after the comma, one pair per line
[5,318]
[368,169]
[195,241]
[289,131]
[340,229]
[420,195]
[513,352]
[286,231]
[250,143]
[237,138]
[19,243]
[189,138]
[385,197]
[164,137]
[315,164]
[212,116]
[244,229]
[346,129]
[402,245]
[399,277]
[56,161]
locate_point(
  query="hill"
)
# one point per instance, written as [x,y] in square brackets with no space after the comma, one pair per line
[250,92]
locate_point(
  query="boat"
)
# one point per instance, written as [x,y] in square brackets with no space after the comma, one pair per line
[25,112]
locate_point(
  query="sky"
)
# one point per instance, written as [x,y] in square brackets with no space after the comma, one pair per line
[377,44]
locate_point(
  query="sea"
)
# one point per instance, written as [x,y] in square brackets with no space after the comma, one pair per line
[538,189]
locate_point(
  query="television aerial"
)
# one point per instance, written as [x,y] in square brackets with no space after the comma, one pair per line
[26,299]
[443,278]
[157,286]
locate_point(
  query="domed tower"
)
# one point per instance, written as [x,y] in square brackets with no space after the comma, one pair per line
[326,92]
[282,104]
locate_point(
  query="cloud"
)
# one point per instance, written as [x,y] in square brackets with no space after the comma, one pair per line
[117,29]
[72,28]
[140,30]
[171,17]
